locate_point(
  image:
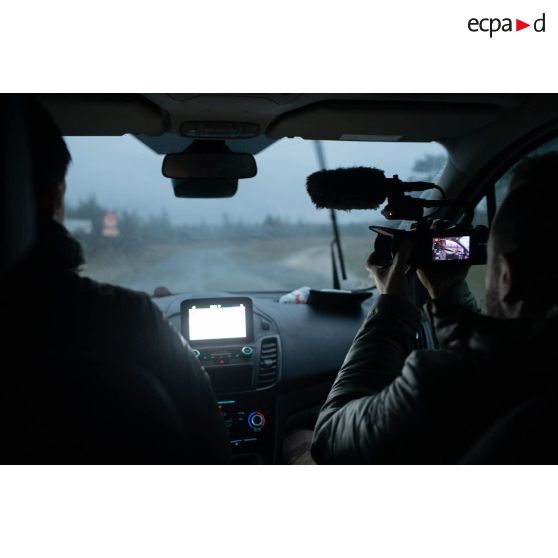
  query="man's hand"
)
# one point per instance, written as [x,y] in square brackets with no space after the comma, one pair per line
[392,279]
[438,279]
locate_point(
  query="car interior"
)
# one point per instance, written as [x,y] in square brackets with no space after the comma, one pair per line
[269,297]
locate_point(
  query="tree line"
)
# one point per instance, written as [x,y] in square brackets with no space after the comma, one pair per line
[135,231]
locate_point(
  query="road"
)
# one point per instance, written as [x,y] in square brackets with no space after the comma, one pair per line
[198,269]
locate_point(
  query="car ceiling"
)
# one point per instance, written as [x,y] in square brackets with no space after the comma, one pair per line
[157,119]
[483,133]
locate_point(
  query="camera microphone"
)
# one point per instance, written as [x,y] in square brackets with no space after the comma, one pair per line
[357,188]
[368,188]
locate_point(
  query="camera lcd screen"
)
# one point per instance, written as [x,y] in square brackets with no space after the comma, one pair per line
[217,319]
[446,248]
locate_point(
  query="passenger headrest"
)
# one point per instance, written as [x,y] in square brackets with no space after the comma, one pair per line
[17,204]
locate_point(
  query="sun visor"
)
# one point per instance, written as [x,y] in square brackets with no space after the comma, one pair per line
[372,121]
[104,115]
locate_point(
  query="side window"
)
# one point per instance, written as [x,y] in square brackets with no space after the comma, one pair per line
[476,276]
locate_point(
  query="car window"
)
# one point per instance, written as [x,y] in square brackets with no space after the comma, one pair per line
[477,273]
[268,237]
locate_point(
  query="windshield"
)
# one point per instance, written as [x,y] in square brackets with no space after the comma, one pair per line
[268,237]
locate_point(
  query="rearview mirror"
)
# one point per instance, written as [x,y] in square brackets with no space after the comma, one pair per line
[204,187]
[209,165]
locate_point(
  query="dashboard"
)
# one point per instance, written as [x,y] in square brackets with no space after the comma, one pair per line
[272,370]
[271,364]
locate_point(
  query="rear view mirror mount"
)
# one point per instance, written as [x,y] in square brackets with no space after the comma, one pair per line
[208,169]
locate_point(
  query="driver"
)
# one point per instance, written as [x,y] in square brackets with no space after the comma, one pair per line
[74,315]
[393,404]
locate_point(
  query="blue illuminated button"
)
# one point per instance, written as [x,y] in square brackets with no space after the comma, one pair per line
[247,351]
[256,421]
[196,353]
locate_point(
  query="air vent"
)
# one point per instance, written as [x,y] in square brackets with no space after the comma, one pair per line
[269,363]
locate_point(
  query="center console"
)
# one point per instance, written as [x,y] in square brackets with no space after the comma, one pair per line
[240,351]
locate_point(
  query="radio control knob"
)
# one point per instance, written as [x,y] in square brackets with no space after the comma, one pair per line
[247,351]
[256,421]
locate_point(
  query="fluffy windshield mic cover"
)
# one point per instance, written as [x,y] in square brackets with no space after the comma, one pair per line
[348,188]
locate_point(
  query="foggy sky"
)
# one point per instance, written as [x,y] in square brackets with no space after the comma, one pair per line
[123,173]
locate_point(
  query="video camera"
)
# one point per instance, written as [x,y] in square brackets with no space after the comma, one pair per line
[458,243]
[368,188]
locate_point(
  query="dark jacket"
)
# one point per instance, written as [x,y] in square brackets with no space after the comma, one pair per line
[393,404]
[155,386]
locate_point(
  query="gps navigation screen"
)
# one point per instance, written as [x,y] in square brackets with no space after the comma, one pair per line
[217,321]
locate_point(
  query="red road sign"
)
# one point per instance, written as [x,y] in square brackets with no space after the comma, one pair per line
[110,224]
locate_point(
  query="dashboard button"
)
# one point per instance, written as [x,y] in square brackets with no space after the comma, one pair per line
[247,351]
[196,353]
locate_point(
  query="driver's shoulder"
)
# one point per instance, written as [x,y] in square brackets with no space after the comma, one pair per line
[118,312]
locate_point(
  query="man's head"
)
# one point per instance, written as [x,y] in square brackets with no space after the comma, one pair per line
[49,159]
[522,257]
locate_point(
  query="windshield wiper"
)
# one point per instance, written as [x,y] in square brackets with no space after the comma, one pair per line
[335,245]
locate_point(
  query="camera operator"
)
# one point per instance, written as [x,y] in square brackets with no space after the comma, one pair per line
[393,404]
